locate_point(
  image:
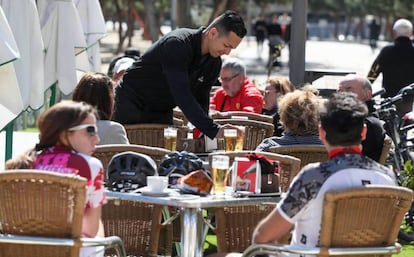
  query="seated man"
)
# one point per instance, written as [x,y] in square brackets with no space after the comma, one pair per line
[342,130]
[237,92]
[372,145]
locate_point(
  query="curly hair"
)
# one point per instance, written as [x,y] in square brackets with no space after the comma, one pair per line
[299,112]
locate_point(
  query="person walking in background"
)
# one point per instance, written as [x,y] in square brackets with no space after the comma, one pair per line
[276,87]
[359,85]
[96,89]
[275,37]
[260,33]
[341,131]
[396,63]
[179,70]
[299,116]
[237,92]
[67,139]
[374,32]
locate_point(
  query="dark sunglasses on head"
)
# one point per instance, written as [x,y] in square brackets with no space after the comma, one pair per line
[90,128]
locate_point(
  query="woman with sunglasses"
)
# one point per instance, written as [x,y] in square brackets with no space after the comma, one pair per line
[276,87]
[67,139]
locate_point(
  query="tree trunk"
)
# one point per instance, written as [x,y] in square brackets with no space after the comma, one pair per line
[183,13]
[151,20]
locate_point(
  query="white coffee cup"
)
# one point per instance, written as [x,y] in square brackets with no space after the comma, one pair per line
[157,183]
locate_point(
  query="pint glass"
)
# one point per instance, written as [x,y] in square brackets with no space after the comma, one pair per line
[219,168]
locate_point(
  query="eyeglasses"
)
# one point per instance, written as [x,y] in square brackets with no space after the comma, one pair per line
[227,80]
[92,129]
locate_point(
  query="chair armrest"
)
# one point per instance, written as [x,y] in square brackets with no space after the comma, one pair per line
[256,249]
[107,242]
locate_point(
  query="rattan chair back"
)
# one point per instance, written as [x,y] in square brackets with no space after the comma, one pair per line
[105,152]
[235,224]
[44,205]
[364,216]
[385,149]
[177,113]
[151,134]
[255,131]
[362,220]
[306,153]
[138,224]
[240,114]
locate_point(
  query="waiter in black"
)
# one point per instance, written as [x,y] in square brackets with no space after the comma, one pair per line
[178,70]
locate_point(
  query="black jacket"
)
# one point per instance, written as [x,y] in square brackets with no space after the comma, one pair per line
[396,63]
[172,72]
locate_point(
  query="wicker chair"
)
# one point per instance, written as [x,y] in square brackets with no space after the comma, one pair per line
[356,221]
[249,115]
[177,113]
[255,132]
[127,219]
[105,152]
[306,153]
[151,134]
[385,149]
[41,215]
[235,225]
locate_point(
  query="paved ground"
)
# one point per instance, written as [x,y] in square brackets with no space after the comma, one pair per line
[319,55]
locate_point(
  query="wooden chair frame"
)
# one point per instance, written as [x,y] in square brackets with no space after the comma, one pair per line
[306,153]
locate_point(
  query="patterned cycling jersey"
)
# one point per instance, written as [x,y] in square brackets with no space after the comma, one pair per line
[62,159]
[303,203]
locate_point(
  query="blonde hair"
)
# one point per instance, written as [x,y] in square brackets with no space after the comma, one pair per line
[299,112]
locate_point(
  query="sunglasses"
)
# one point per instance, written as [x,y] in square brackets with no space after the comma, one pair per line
[90,128]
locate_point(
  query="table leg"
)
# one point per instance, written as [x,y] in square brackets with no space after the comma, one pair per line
[192,232]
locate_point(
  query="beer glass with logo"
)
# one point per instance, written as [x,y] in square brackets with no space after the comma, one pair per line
[170,138]
[230,138]
[219,169]
[240,139]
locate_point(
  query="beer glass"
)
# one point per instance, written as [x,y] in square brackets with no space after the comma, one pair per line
[240,139]
[170,138]
[219,169]
[230,138]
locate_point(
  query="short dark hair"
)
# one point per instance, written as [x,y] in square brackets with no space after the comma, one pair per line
[229,21]
[342,118]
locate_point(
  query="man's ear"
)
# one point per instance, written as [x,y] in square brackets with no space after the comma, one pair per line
[213,32]
[364,132]
[322,134]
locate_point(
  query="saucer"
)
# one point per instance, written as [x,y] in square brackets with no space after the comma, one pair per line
[152,193]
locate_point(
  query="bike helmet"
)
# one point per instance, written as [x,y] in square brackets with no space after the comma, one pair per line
[177,164]
[129,170]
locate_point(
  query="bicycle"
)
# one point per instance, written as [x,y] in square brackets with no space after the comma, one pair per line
[402,158]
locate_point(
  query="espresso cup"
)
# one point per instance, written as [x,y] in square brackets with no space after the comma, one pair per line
[157,183]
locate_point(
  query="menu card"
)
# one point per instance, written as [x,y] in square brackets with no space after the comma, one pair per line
[246,175]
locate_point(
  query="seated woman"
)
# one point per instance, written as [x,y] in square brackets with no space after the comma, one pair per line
[299,116]
[276,87]
[96,89]
[67,139]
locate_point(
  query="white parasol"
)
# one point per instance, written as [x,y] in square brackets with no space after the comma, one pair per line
[94,29]
[10,99]
[24,22]
[63,39]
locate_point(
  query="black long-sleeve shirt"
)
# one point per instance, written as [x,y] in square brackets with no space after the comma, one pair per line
[172,72]
[396,63]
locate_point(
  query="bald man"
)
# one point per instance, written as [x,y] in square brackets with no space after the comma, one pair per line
[372,145]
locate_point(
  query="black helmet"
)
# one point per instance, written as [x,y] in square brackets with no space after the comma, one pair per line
[178,164]
[129,170]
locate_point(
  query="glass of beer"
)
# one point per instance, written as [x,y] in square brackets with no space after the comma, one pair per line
[230,138]
[219,169]
[170,138]
[240,139]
